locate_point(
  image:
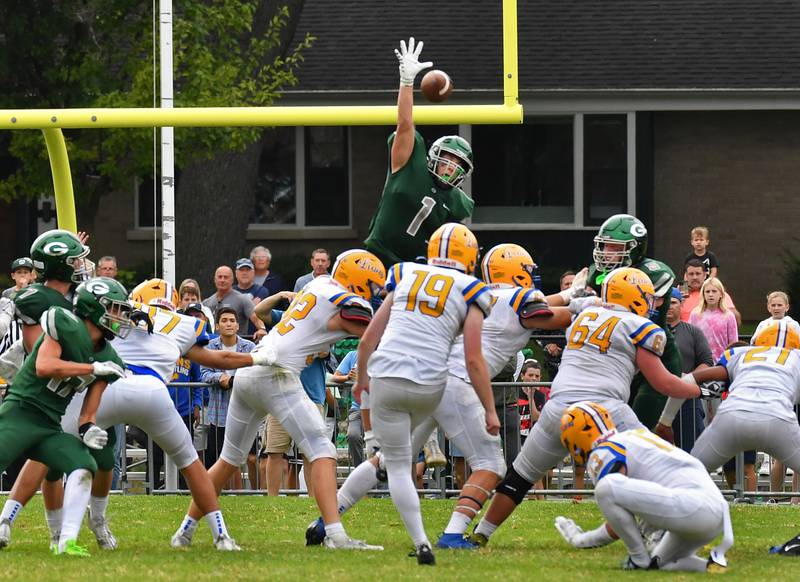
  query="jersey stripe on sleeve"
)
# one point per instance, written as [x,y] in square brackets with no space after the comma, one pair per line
[340,298]
[395,274]
[618,455]
[472,291]
[519,298]
[645,331]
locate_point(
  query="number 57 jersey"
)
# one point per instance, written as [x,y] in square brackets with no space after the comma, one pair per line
[428,311]
[599,360]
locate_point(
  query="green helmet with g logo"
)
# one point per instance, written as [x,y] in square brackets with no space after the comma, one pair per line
[59,254]
[629,237]
[104,302]
[456,172]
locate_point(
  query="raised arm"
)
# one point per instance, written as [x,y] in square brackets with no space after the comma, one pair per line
[403,144]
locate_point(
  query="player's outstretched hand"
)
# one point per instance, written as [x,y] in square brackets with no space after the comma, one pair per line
[107,369]
[93,436]
[568,529]
[408,58]
[578,287]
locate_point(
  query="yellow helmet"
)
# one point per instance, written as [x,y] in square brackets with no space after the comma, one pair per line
[780,334]
[454,246]
[360,272]
[156,292]
[508,264]
[629,288]
[581,425]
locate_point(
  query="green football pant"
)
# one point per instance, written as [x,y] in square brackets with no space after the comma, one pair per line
[26,431]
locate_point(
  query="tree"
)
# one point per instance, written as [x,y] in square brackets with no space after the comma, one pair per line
[92,53]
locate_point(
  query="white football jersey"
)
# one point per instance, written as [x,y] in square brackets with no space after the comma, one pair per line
[766,379]
[302,333]
[647,457]
[173,335]
[599,360]
[503,334]
[428,312]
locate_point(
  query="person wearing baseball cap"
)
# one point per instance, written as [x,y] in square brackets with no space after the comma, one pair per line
[23,275]
[246,285]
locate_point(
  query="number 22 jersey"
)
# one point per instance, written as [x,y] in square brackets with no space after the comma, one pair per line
[428,312]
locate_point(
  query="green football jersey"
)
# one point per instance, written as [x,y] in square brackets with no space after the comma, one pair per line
[34,300]
[411,208]
[52,395]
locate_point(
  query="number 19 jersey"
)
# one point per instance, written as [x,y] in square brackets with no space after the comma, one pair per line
[599,359]
[428,312]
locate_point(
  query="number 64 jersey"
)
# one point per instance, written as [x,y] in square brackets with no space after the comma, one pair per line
[600,356]
[428,311]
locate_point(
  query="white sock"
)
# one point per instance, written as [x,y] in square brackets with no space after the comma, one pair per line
[486,528]
[97,506]
[406,500]
[54,518]
[459,523]
[11,510]
[188,526]
[76,498]
[356,486]
[333,529]
[216,523]
[594,538]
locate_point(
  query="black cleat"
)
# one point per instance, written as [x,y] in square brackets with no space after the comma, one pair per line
[790,548]
[425,556]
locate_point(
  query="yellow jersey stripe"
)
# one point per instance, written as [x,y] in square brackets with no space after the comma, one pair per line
[644,332]
[473,290]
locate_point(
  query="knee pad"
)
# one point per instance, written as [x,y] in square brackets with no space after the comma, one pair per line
[514,486]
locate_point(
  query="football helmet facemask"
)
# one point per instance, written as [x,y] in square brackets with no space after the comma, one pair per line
[581,425]
[156,292]
[509,264]
[104,302]
[453,245]
[60,255]
[630,289]
[361,272]
[779,334]
[626,231]
[456,172]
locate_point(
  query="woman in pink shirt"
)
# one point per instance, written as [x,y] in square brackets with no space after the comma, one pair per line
[717,321]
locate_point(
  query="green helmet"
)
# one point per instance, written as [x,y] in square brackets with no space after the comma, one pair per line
[456,172]
[620,229]
[60,255]
[104,302]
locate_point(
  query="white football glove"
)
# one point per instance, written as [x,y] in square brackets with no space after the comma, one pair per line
[371,443]
[408,57]
[263,356]
[93,436]
[107,369]
[715,389]
[569,530]
[578,287]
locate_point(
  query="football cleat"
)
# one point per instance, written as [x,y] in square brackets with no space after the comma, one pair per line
[455,541]
[180,540]
[425,555]
[790,548]
[478,539]
[342,541]
[715,566]
[102,533]
[5,533]
[71,548]
[434,457]
[315,532]
[225,543]
[629,564]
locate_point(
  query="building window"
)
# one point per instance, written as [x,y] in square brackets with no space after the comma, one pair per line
[524,173]
[304,178]
[148,211]
[605,167]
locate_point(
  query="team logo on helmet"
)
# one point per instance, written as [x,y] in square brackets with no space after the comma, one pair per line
[55,249]
[97,287]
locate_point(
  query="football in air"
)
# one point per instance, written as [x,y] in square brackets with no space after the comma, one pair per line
[436,86]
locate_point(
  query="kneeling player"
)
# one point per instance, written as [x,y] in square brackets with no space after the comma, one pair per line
[638,475]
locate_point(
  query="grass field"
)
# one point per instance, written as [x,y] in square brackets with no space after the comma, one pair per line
[270,532]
